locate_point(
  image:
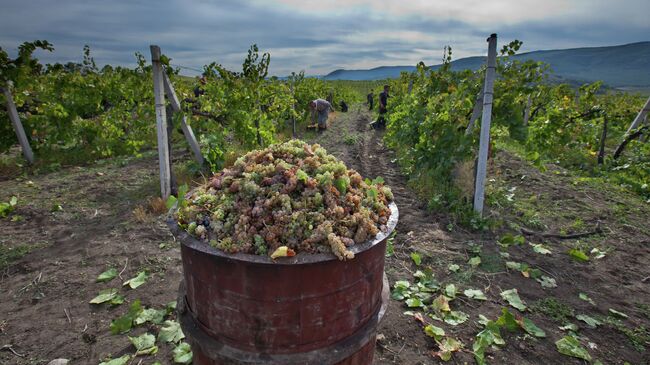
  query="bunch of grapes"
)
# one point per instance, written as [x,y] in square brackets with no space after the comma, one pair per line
[291,194]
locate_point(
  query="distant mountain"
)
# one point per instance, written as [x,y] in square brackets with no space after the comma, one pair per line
[625,66]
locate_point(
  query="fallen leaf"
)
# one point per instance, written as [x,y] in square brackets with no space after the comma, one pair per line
[578,255]
[586,298]
[475,294]
[547,282]
[454,268]
[436,332]
[416,258]
[541,249]
[570,346]
[107,275]
[283,251]
[447,346]
[136,281]
[145,344]
[474,261]
[450,291]
[123,360]
[171,332]
[455,318]
[591,322]
[440,304]
[104,296]
[513,299]
[531,328]
[182,353]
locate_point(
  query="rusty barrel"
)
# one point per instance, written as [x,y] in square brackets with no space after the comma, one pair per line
[307,309]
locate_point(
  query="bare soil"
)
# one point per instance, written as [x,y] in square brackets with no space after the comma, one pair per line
[44,295]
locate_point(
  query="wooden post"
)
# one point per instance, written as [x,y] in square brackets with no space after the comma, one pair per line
[639,117]
[529,104]
[481,170]
[476,112]
[187,130]
[161,122]
[603,137]
[18,126]
[635,124]
[293,110]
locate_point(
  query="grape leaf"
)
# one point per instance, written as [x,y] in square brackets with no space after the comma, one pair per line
[107,275]
[416,258]
[513,299]
[475,294]
[450,291]
[182,353]
[541,249]
[547,282]
[124,323]
[507,320]
[440,304]
[145,344]
[104,296]
[474,261]
[531,328]
[570,346]
[136,281]
[123,360]
[454,268]
[152,315]
[414,303]
[447,345]
[592,322]
[586,298]
[455,318]
[171,332]
[578,255]
[436,332]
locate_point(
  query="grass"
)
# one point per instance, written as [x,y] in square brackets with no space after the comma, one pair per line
[8,255]
[553,308]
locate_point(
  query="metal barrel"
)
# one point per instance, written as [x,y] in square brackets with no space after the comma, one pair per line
[307,309]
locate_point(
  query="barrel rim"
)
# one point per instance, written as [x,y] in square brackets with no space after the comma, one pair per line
[300,258]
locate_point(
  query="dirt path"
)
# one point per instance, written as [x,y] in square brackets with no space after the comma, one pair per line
[44,295]
[552,201]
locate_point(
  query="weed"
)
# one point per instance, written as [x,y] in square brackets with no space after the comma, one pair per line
[638,336]
[553,308]
[140,214]
[11,254]
[351,139]
[157,205]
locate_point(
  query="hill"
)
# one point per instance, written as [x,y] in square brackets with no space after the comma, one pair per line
[624,66]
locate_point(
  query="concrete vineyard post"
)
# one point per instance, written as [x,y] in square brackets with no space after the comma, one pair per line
[639,117]
[529,104]
[18,126]
[161,122]
[187,130]
[476,112]
[410,86]
[293,110]
[479,190]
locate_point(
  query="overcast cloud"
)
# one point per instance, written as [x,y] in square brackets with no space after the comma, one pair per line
[315,36]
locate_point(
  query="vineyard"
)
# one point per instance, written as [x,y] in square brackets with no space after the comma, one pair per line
[552,270]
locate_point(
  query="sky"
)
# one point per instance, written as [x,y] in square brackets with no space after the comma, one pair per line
[315,36]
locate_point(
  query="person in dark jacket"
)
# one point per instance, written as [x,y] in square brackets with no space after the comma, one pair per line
[383,102]
[198,90]
[371,100]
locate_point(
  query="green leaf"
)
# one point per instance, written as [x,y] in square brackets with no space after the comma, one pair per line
[598,254]
[507,320]
[145,344]
[302,175]
[171,201]
[107,275]
[513,265]
[592,322]
[454,268]
[171,332]
[474,261]
[136,281]
[448,345]
[436,332]
[152,315]
[617,313]
[450,291]
[341,184]
[401,290]
[119,299]
[119,361]
[455,318]
[547,282]
[513,299]
[578,255]
[378,180]
[13,201]
[416,258]
[475,294]
[440,304]
[104,296]
[531,328]
[182,353]
[414,303]
[570,327]
[541,249]
[569,345]
[124,323]
[586,298]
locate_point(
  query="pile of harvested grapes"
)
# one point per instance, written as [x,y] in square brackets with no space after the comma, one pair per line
[291,194]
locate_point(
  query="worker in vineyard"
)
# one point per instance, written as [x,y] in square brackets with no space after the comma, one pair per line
[198,90]
[383,102]
[371,100]
[320,110]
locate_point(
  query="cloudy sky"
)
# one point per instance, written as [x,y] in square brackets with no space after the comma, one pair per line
[315,36]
